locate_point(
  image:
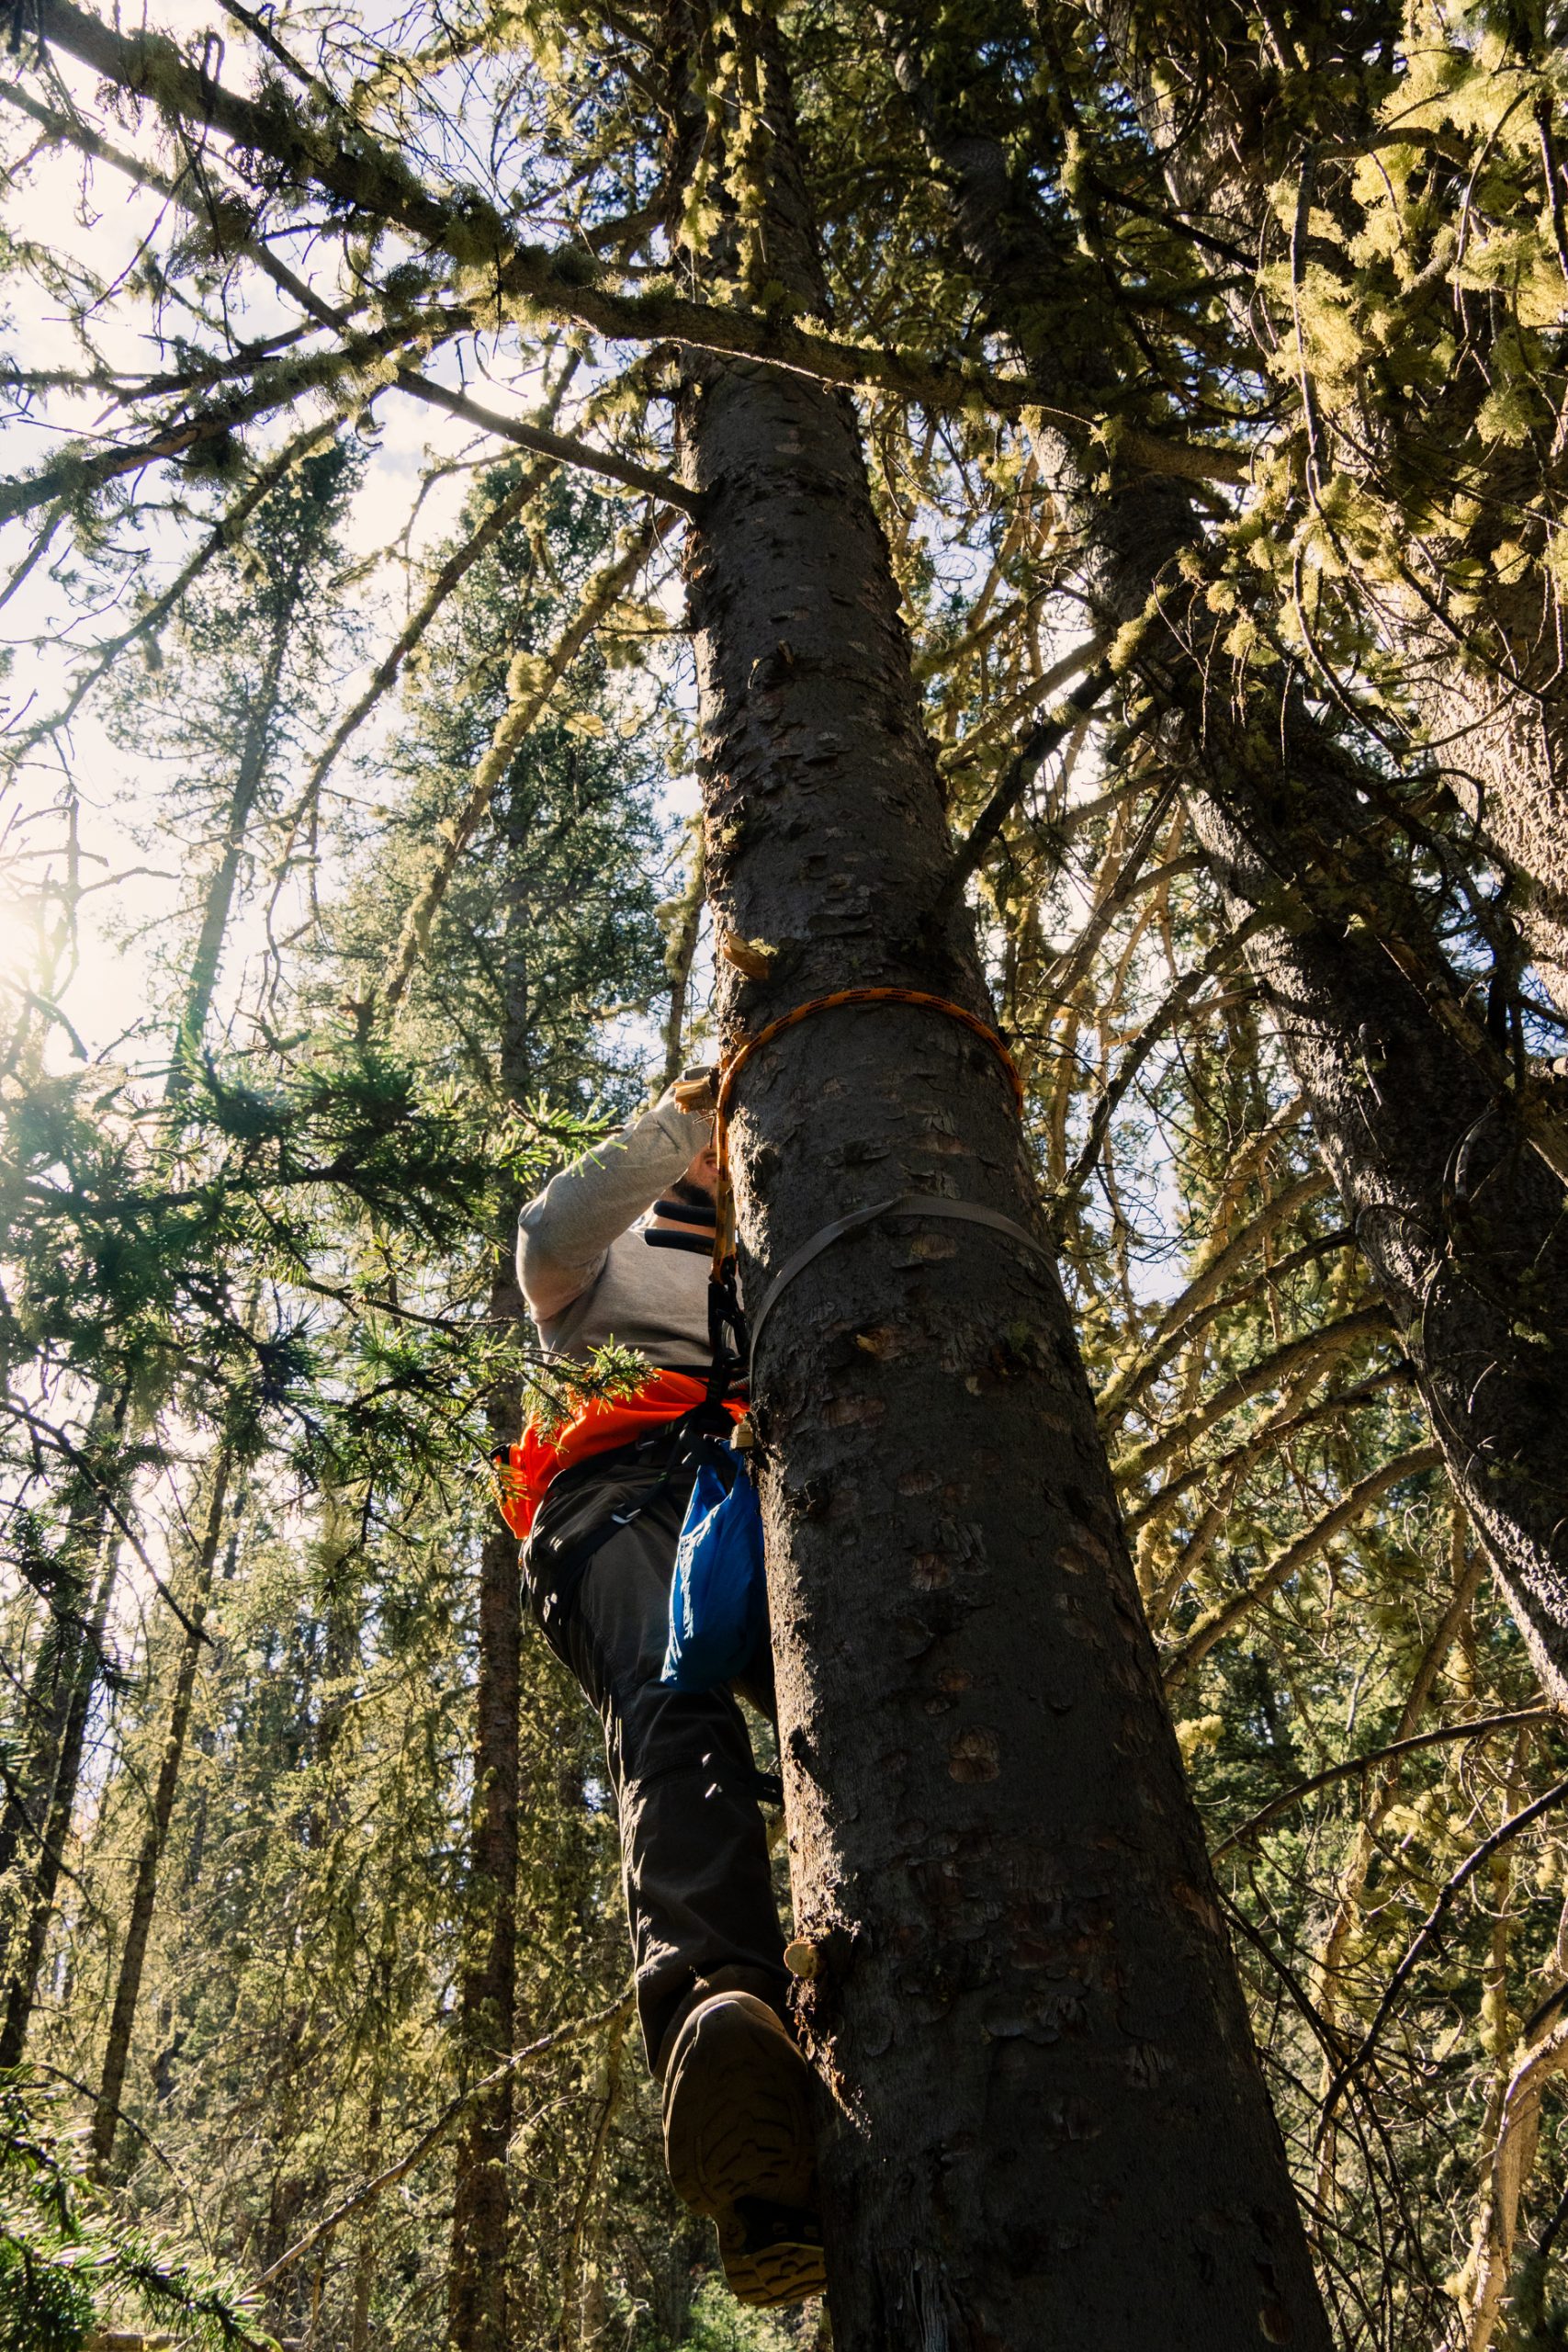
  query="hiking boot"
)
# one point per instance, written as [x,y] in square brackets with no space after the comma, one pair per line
[740,2148]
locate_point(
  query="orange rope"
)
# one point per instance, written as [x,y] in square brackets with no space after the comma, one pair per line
[724,1200]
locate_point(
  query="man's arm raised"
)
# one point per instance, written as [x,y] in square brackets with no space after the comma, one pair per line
[564,1232]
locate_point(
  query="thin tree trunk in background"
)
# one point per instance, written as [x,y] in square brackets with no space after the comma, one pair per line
[59,1655]
[685,918]
[477,2286]
[371,2165]
[22,1991]
[363,2289]
[144,1890]
[1044,2121]
[60,1744]
[70,1701]
[255,748]
[477,2291]
[584,2309]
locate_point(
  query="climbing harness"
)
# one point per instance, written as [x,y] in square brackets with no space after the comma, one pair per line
[687,1440]
[717,1606]
[724,1198]
[722,1288]
[523,1473]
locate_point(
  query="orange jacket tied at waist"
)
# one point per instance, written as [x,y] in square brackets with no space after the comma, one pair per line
[524,1473]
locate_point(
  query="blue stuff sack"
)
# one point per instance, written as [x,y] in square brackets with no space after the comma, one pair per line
[718,1595]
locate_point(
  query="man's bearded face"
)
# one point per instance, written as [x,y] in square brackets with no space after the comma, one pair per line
[696,1186]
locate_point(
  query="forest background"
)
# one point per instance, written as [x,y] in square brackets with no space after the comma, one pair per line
[1209,367]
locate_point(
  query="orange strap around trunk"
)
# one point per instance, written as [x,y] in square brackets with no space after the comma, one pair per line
[724,1199]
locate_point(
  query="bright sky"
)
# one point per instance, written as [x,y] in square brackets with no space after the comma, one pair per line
[103,228]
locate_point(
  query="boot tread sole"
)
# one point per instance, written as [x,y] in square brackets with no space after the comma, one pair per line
[738,2125]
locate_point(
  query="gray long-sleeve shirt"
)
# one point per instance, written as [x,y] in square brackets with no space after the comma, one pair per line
[587,1268]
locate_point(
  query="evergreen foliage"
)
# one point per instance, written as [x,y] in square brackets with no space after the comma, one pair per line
[67,2264]
[1308,264]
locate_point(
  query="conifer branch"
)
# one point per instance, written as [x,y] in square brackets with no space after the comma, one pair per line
[1266,1272]
[531,682]
[962,754]
[452,573]
[1180,1321]
[1518,1719]
[360,359]
[1329,1339]
[566,283]
[1159,1024]
[1427,1933]
[435,2132]
[1068,971]
[561,446]
[1044,738]
[1221,1620]
[1272,1434]
[224,534]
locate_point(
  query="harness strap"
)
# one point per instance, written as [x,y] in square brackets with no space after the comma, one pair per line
[840,1000]
[727,1333]
[571,1565]
[900,1204]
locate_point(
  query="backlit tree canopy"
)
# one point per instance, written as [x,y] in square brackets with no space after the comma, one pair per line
[373,564]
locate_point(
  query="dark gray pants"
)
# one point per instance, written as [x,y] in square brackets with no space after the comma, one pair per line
[694,1855]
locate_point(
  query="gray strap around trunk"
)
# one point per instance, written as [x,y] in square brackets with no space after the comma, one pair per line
[900,1204]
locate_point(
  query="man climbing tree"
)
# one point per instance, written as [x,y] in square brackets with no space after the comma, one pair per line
[1003,2090]
[615,1488]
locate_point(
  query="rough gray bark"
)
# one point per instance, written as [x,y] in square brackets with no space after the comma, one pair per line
[1499,710]
[1461,1224]
[145,1886]
[1044,2121]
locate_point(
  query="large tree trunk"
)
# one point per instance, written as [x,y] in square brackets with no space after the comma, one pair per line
[1045,2119]
[144,1889]
[1461,1222]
